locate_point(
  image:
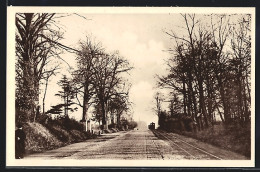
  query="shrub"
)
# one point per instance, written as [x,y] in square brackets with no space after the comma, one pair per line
[132,124]
[72,124]
[60,133]
[78,136]
[107,131]
[67,123]
[111,126]
[113,130]
[38,138]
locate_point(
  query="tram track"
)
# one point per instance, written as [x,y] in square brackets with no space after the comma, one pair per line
[193,151]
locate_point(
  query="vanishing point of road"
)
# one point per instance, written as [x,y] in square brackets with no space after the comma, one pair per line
[140,144]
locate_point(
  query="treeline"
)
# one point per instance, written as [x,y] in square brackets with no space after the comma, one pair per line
[97,80]
[209,71]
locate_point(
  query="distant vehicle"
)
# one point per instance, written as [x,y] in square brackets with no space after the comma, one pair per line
[151,126]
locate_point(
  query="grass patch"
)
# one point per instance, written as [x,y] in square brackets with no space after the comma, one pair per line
[234,138]
[39,138]
[62,134]
[78,135]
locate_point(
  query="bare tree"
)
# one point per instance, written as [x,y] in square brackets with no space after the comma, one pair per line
[204,71]
[241,66]
[35,46]
[107,79]
[84,75]
[117,105]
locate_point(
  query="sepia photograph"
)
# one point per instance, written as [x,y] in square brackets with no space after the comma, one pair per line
[129,86]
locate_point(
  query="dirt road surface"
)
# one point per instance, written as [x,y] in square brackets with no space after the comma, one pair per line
[140,144]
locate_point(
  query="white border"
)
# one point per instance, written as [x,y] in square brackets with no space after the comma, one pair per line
[10,99]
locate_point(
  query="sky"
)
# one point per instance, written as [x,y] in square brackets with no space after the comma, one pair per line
[139,38]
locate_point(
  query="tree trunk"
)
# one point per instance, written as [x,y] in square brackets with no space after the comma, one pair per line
[223,100]
[112,118]
[31,93]
[240,97]
[220,114]
[118,120]
[44,96]
[192,97]
[184,98]
[104,122]
[65,104]
[85,104]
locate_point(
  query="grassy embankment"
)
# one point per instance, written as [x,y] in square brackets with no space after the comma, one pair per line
[54,134]
[234,138]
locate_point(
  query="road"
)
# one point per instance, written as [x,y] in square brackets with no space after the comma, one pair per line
[140,144]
